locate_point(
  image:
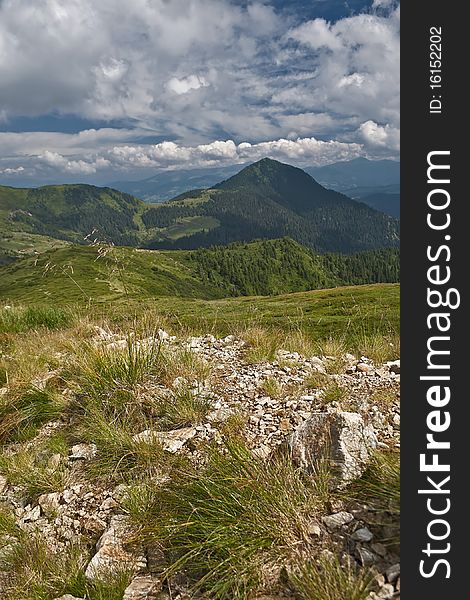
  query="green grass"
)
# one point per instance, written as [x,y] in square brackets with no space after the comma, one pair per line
[231,526]
[38,572]
[333,393]
[183,408]
[34,470]
[327,579]
[22,412]
[379,489]
[19,319]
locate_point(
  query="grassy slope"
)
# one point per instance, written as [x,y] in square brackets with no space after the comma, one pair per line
[77,273]
[351,312]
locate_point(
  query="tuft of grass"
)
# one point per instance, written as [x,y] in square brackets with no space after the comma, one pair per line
[272,387]
[379,489]
[262,344]
[333,393]
[18,319]
[34,470]
[104,370]
[183,363]
[184,407]
[380,484]
[22,412]
[38,572]
[378,347]
[328,579]
[230,526]
[119,456]
[315,380]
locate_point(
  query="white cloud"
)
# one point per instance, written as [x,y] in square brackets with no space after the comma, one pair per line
[375,136]
[76,153]
[191,72]
[12,171]
[82,167]
[186,84]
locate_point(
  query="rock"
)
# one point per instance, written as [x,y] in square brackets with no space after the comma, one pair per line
[394,366]
[337,520]
[393,573]
[314,529]
[109,504]
[220,415]
[41,382]
[317,364]
[111,553]
[386,592]
[83,452]
[102,334]
[379,549]
[172,441]
[69,597]
[362,368]
[362,535]
[49,502]
[366,556]
[163,335]
[32,514]
[340,438]
[3,484]
[143,587]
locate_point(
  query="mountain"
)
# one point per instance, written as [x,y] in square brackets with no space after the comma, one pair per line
[70,213]
[76,273]
[356,173]
[384,202]
[349,177]
[265,200]
[269,199]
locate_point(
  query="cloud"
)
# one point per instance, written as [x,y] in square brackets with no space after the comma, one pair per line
[12,171]
[186,84]
[76,154]
[192,71]
[375,136]
[53,159]
[354,65]
[219,81]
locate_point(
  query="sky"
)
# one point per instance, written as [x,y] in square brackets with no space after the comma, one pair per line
[120,89]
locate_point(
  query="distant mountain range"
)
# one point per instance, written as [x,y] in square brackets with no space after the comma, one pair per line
[358,178]
[267,199]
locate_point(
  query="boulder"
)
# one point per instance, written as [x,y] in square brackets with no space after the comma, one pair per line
[341,439]
[112,552]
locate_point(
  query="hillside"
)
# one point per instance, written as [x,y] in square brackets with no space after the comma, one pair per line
[68,213]
[265,200]
[268,200]
[77,273]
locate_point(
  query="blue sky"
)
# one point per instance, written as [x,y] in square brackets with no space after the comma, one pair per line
[119,89]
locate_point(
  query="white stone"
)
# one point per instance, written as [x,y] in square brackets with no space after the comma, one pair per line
[362,535]
[83,451]
[171,441]
[337,520]
[340,438]
[111,553]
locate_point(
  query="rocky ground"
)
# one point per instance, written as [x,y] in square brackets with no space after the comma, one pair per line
[275,403]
